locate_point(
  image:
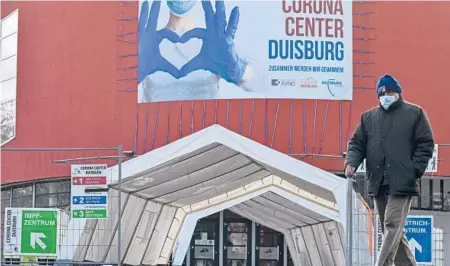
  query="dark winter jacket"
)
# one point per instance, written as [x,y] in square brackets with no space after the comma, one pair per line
[397,144]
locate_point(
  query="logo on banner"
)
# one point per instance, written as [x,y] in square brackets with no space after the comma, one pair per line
[308,83]
[335,87]
[283,82]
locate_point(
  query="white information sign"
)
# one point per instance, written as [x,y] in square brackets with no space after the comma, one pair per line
[433,163]
[89,195]
[362,167]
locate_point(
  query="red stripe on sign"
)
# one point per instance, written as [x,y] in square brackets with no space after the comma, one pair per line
[97,180]
[77,181]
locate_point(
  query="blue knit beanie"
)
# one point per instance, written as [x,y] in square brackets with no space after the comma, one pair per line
[388,83]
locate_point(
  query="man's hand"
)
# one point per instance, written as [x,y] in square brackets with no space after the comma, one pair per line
[218,54]
[349,171]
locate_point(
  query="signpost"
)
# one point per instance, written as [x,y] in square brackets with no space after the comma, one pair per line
[89,191]
[31,232]
[433,163]
[419,232]
[362,167]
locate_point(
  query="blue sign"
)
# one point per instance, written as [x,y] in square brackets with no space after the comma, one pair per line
[419,232]
[89,199]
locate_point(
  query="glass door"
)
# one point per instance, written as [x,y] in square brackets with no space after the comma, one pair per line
[237,240]
[269,247]
[205,242]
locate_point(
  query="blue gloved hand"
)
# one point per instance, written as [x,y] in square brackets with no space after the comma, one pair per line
[150,59]
[217,54]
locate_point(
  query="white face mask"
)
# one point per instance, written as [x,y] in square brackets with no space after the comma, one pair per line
[387,101]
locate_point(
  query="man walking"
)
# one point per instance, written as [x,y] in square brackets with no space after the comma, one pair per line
[397,142]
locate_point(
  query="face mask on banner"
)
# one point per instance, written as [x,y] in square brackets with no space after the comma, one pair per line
[387,101]
[180,7]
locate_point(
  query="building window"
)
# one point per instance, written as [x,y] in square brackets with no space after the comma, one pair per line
[53,194]
[446,194]
[6,202]
[425,194]
[434,195]
[415,202]
[46,194]
[8,76]
[437,197]
[8,123]
[22,197]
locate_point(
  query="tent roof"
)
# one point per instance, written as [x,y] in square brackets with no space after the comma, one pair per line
[278,212]
[168,189]
[216,160]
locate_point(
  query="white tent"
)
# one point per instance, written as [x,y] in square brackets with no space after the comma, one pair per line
[166,191]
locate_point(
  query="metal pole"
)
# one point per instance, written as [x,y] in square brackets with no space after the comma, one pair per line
[86,159]
[349,229]
[315,155]
[375,235]
[119,206]
[59,149]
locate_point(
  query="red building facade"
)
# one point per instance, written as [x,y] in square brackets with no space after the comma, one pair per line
[75,87]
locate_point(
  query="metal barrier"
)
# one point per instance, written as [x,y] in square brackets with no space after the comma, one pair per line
[49,189]
[367,235]
[439,236]
[362,242]
[44,262]
[361,235]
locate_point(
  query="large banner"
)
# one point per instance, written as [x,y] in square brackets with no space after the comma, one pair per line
[192,50]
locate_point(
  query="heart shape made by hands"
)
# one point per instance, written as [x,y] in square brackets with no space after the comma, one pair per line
[180,53]
[179,50]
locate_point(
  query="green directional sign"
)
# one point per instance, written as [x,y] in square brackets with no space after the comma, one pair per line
[39,232]
[90,214]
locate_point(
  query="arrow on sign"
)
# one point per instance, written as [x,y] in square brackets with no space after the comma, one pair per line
[413,245]
[36,239]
